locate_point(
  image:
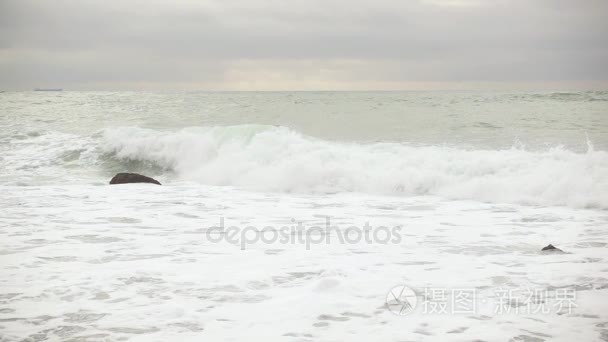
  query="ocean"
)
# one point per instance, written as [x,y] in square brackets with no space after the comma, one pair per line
[304,216]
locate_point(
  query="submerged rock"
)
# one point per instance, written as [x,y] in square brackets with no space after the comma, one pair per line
[551,248]
[124,178]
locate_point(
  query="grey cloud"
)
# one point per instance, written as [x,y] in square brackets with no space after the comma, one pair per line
[202,41]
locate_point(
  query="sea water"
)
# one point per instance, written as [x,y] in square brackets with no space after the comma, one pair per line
[294,216]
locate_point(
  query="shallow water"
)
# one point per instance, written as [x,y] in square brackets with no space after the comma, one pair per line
[135,261]
[84,261]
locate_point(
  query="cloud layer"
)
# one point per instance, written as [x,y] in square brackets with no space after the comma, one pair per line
[297,44]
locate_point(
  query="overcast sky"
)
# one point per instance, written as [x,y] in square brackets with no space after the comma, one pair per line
[303,44]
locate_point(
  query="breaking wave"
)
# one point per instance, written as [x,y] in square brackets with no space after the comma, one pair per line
[269,158]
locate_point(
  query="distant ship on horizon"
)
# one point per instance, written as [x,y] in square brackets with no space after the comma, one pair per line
[48,89]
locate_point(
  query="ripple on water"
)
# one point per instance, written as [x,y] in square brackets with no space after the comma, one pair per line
[91,238]
[120,219]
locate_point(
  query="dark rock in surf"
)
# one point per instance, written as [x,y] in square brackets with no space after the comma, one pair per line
[124,178]
[551,248]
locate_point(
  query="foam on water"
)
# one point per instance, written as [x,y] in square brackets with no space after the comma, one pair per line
[280,159]
[84,261]
[90,263]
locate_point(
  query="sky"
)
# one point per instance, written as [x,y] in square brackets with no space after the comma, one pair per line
[303,44]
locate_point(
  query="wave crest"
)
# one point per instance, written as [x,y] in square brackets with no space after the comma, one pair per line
[269,158]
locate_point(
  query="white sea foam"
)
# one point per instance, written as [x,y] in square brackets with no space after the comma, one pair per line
[134,262]
[279,159]
[86,261]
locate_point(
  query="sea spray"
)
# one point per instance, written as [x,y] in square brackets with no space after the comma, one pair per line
[268,158]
